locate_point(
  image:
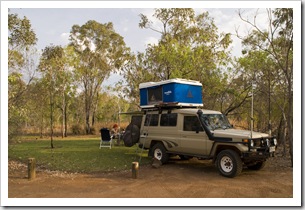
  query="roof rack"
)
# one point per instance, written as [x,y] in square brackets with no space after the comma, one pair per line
[170,105]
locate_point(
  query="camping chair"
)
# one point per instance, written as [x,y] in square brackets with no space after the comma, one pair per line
[106,138]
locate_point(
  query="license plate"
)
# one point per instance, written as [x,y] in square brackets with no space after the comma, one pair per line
[271,149]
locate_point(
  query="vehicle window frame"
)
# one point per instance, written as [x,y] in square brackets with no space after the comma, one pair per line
[193,127]
[169,120]
[154,121]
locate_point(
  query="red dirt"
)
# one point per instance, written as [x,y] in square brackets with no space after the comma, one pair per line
[177,179]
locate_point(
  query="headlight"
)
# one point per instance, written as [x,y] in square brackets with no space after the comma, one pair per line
[274,141]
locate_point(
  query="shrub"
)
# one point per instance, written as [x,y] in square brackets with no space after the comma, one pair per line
[76,129]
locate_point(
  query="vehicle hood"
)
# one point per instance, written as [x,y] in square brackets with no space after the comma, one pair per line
[238,134]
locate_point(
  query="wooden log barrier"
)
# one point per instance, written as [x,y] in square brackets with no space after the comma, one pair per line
[31,168]
[135,170]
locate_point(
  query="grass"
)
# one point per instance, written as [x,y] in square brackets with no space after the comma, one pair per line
[77,156]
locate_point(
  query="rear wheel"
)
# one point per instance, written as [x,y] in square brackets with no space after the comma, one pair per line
[229,163]
[159,153]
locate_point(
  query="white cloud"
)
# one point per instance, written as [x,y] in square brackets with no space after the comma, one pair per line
[151,40]
[64,38]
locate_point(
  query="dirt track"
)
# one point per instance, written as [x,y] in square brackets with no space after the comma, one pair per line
[177,179]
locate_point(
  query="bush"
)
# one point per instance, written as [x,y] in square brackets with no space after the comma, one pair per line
[76,129]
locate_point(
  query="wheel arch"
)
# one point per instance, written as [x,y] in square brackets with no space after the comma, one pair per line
[219,148]
[152,144]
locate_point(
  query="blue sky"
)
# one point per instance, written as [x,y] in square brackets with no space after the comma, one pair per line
[52,25]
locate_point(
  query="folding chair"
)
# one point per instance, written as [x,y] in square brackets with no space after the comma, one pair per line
[106,138]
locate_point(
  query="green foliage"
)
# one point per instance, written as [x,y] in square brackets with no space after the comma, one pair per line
[189,48]
[20,39]
[99,50]
[21,33]
[77,156]
[267,59]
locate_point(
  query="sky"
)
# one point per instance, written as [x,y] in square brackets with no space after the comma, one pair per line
[52,22]
[53,25]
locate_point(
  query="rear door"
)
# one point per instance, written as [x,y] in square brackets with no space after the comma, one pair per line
[168,131]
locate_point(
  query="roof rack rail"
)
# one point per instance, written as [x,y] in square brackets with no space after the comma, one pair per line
[170,105]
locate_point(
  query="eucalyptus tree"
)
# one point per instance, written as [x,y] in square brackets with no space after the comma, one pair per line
[21,38]
[52,66]
[189,47]
[99,51]
[277,41]
[21,42]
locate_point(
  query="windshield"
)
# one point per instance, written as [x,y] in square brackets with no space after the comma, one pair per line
[215,121]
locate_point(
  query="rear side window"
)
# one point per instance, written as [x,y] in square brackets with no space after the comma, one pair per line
[168,119]
[151,120]
[191,123]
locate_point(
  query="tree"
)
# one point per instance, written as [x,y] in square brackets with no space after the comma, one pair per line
[277,41]
[99,50]
[189,47]
[52,65]
[21,40]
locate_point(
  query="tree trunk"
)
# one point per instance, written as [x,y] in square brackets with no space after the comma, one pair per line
[66,124]
[284,133]
[41,125]
[87,121]
[290,126]
[51,119]
[63,128]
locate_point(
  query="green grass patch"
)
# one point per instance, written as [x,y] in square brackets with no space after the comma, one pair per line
[82,156]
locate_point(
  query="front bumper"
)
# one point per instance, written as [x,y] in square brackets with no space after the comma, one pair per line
[259,154]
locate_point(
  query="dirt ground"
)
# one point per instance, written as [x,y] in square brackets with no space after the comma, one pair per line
[177,179]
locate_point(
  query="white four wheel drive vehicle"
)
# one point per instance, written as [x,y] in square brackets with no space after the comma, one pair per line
[204,134]
[171,123]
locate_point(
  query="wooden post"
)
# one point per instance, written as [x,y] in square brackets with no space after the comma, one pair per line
[31,168]
[135,170]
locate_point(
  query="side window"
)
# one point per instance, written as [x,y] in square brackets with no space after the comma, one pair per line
[168,119]
[151,120]
[154,95]
[191,123]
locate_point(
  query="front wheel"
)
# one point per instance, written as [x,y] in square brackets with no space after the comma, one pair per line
[159,153]
[229,163]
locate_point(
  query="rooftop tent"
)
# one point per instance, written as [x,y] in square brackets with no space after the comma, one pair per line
[181,92]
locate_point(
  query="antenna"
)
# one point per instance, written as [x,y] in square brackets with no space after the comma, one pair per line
[252,118]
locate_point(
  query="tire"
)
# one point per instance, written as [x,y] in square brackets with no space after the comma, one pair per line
[131,135]
[229,163]
[159,153]
[257,166]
